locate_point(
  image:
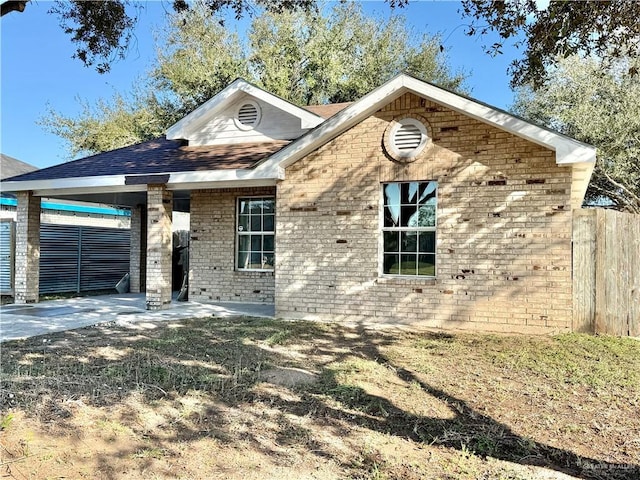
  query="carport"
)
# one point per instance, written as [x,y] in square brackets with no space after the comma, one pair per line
[153,179]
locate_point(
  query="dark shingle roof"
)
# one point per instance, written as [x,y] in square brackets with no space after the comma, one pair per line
[159,156]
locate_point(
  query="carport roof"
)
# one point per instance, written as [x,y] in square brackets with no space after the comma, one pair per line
[159,156]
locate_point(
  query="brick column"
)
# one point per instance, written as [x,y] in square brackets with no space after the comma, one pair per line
[159,248]
[135,250]
[27,259]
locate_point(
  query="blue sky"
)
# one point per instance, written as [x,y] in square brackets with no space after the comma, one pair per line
[37,69]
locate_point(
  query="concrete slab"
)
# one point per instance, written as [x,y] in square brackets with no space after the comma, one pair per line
[22,321]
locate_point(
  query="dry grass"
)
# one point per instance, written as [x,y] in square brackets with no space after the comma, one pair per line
[251,398]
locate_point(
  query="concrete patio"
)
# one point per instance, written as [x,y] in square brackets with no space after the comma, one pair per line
[22,321]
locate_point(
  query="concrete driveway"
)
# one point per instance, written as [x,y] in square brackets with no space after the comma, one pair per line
[22,321]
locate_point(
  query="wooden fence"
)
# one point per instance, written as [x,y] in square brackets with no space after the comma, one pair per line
[606,272]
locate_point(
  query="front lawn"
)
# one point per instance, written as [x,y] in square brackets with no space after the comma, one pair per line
[254,399]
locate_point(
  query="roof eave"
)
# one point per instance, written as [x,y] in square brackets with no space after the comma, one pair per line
[118,183]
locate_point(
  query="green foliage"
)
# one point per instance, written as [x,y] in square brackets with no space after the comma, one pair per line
[313,57]
[306,56]
[111,124]
[599,106]
[608,29]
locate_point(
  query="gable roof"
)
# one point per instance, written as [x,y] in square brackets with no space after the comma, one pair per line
[226,98]
[261,164]
[569,151]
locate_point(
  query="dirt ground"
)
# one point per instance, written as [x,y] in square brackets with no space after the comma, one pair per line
[265,399]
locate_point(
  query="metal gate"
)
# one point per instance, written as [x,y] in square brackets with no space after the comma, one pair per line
[80,258]
[6,257]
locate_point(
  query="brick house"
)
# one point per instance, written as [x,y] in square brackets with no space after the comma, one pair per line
[412,205]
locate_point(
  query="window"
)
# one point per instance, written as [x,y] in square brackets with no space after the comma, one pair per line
[256,233]
[409,228]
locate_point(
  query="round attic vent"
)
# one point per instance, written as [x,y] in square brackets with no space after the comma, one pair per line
[248,115]
[406,138]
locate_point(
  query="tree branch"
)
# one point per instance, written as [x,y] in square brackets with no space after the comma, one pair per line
[13,6]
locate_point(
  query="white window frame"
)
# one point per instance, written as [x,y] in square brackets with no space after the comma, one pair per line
[382,229]
[238,234]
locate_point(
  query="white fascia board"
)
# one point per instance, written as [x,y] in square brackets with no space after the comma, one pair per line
[568,150]
[207,110]
[105,183]
[117,183]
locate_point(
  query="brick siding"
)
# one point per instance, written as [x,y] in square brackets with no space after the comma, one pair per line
[159,247]
[27,252]
[213,248]
[503,234]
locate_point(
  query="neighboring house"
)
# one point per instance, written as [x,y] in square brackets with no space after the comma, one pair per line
[413,205]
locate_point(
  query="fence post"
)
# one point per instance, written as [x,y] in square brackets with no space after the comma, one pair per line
[584,270]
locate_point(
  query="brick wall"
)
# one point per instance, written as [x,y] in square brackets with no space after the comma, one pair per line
[27,252]
[159,247]
[213,275]
[503,235]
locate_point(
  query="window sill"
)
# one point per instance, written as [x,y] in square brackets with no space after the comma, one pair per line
[251,270]
[405,280]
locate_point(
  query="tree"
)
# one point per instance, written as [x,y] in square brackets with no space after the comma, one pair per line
[609,29]
[102,29]
[600,107]
[312,58]
[305,57]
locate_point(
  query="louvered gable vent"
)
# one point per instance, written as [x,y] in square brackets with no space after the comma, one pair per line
[248,115]
[408,137]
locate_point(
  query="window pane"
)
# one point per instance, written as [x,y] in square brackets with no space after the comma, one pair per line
[408,264]
[427,242]
[408,216]
[268,243]
[408,192]
[391,215]
[243,259]
[243,243]
[243,223]
[427,265]
[390,241]
[256,242]
[391,264]
[244,207]
[256,260]
[268,261]
[268,223]
[256,224]
[427,193]
[268,205]
[426,216]
[409,241]
[392,194]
